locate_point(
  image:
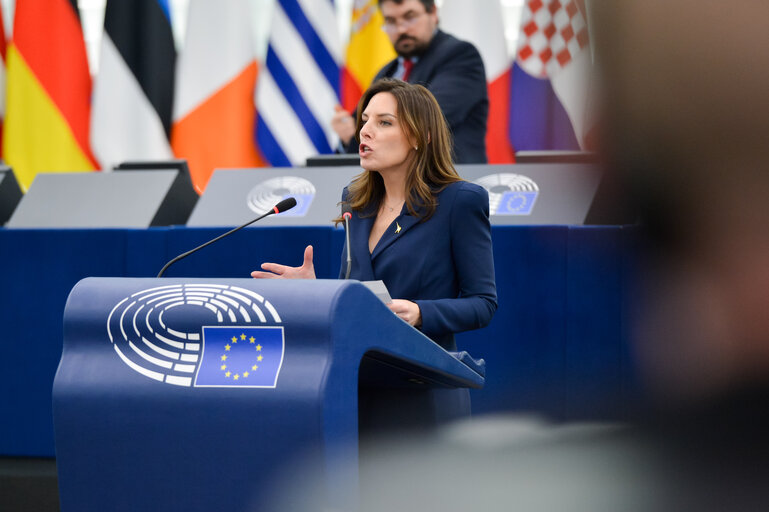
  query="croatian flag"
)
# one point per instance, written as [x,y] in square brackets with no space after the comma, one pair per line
[299,83]
[481,23]
[551,78]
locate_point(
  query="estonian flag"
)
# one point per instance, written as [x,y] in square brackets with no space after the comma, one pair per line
[133,92]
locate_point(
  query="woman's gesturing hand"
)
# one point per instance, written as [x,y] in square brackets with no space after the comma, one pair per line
[276,271]
[407,311]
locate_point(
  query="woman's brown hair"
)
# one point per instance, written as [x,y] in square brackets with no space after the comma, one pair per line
[431,170]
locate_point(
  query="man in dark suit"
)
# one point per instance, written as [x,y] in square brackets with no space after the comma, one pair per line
[451,69]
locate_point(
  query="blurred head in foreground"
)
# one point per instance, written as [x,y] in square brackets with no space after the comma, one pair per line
[686,124]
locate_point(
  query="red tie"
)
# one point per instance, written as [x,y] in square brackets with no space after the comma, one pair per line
[408,65]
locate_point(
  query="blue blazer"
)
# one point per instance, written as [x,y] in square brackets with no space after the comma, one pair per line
[444,264]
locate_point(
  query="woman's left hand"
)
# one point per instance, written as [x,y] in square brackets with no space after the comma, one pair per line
[407,311]
[277,271]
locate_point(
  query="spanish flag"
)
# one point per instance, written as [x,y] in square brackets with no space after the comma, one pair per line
[368,51]
[48,91]
[215,109]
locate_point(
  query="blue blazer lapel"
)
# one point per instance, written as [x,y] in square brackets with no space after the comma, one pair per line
[359,233]
[397,229]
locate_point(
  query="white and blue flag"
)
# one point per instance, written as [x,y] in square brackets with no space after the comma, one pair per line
[298,85]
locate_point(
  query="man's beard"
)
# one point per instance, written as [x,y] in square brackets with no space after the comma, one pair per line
[416,48]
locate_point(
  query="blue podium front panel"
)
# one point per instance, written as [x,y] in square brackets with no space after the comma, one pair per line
[195,394]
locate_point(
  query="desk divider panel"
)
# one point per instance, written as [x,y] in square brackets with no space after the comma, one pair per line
[536,194]
[125,199]
[233,196]
[10,193]
[519,194]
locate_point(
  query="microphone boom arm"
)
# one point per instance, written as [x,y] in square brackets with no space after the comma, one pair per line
[282,206]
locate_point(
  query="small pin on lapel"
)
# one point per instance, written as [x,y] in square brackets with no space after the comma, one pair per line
[397,228]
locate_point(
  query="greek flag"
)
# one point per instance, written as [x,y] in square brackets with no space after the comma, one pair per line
[298,86]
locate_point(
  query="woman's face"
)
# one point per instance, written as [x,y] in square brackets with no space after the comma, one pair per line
[384,146]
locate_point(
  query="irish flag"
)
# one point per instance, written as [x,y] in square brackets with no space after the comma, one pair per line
[215,109]
[48,91]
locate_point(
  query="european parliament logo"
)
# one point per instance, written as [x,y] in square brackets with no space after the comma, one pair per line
[269,192]
[509,194]
[199,335]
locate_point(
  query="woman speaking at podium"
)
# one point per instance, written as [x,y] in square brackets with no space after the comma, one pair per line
[416,225]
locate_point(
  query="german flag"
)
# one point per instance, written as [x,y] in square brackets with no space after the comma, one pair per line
[48,91]
[2,78]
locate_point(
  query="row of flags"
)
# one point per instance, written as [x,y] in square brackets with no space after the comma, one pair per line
[217,107]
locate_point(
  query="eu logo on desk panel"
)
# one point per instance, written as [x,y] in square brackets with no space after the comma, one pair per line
[509,194]
[266,194]
[199,335]
[240,356]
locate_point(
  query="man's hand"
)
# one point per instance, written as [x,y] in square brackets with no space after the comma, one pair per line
[343,124]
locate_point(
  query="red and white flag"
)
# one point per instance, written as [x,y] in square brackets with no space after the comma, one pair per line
[480,22]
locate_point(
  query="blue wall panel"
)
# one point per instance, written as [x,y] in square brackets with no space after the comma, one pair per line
[558,342]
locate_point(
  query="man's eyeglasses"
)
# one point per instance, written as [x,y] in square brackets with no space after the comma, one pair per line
[408,20]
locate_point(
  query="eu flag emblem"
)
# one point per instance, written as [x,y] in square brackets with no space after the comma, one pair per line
[515,202]
[248,357]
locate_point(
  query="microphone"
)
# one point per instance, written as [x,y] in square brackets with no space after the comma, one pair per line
[347,215]
[281,207]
